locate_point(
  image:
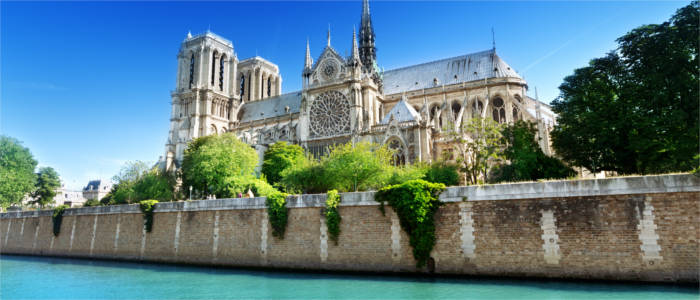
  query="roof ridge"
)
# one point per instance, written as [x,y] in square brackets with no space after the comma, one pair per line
[440,60]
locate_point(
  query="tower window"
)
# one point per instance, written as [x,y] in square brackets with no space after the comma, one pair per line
[192,71]
[269,86]
[221,73]
[213,69]
[242,86]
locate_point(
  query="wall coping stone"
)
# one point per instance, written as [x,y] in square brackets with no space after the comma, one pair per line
[509,191]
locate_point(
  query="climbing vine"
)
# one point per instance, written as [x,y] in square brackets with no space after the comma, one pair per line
[332,215]
[415,203]
[147,207]
[277,213]
[58,218]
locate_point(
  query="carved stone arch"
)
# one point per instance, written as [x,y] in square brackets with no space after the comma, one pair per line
[397,145]
[212,129]
[498,108]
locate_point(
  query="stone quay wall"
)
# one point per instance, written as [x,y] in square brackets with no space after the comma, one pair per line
[631,228]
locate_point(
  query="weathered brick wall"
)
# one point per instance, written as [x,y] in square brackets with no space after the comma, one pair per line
[639,228]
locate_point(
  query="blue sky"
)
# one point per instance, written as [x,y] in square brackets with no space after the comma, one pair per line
[86,86]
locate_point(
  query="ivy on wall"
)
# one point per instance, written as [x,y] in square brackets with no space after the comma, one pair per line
[147,207]
[277,213]
[57,218]
[332,215]
[415,203]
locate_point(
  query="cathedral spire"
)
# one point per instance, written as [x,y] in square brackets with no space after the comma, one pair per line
[355,51]
[368,53]
[329,35]
[308,62]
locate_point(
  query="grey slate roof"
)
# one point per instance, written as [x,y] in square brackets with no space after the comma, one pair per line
[402,112]
[271,107]
[470,67]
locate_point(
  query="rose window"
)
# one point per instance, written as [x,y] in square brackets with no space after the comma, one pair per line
[330,114]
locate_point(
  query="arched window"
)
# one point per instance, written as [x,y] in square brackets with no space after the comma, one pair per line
[456,107]
[213,66]
[398,157]
[221,72]
[242,86]
[499,110]
[477,108]
[192,71]
[269,86]
[212,129]
[516,113]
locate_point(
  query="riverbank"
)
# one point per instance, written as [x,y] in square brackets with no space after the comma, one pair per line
[630,228]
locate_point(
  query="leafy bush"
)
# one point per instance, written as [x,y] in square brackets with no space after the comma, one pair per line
[57,218]
[91,202]
[442,172]
[212,163]
[307,176]
[332,215]
[526,159]
[277,213]
[278,157]
[147,207]
[241,184]
[415,203]
[405,173]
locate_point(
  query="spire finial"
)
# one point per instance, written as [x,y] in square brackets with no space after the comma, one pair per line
[329,34]
[355,50]
[189,34]
[493,38]
[308,62]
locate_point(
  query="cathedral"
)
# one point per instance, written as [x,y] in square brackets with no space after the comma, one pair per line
[343,99]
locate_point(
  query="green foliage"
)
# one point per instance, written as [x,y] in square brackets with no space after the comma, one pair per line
[526,159]
[478,148]
[57,218]
[155,184]
[277,213]
[17,177]
[356,167]
[332,215]
[347,167]
[212,163]
[415,203]
[278,157]
[46,185]
[137,181]
[636,109]
[92,202]
[442,172]
[401,174]
[147,207]
[259,187]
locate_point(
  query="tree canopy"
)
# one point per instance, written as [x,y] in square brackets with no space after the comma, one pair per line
[47,183]
[636,109]
[278,157]
[212,164]
[17,177]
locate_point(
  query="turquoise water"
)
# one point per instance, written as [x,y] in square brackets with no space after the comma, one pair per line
[59,278]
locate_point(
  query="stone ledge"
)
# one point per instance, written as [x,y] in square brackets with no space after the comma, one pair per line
[509,191]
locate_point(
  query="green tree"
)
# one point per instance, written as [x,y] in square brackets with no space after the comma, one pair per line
[306,176]
[214,163]
[478,147]
[123,191]
[526,161]
[17,177]
[46,185]
[156,185]
[357,167]
[278,157]
[635,110]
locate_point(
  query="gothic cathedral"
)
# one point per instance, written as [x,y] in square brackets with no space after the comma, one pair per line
[343,99]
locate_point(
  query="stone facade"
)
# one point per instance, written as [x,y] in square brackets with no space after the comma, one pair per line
[636,228]
[343,98]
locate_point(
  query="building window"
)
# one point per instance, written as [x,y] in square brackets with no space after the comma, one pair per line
[213,68]
[456,107]
[398,157]
[242,86]
[192,71]
[477,108]
[269,86]
[516,114]
[221,72]
[499,111]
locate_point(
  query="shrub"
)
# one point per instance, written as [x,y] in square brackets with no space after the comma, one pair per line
[415,203]
[211,163]
[147,207]
[332,215]
[92,202]
[57,218]
[443,172]
[279,157]
[277,213]
[405,173]
[307,176]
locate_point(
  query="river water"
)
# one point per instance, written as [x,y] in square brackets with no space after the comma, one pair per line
[23,277]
